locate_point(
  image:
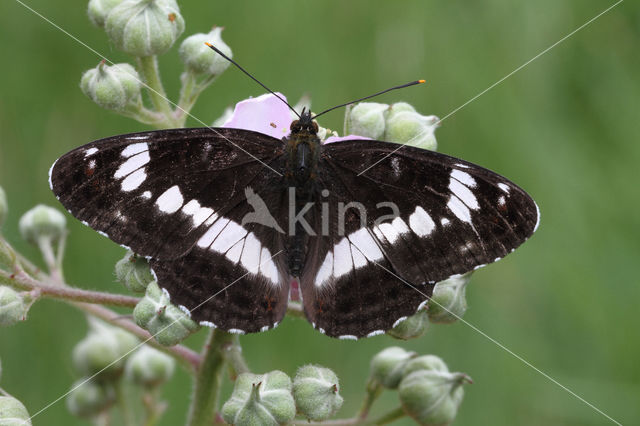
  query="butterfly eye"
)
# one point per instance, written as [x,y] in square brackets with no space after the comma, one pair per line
[315,126]
[295,125]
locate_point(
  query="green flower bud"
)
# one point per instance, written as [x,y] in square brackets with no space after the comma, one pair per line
[405,125]
[144,27]
[260,399]
[89,398]
[432,397]
[4,207]
[367,119]
[387,366]
[103,350]
[42,222]
[412,327]
[424,362]
[12,307]
[315,390]
[112,87]
[99,9]
[448,302]
[199,58]
[149,367]
[168,323]
[13,412]
[133,271]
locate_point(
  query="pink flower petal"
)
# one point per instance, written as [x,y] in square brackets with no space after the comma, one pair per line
[260,114]
[333,139]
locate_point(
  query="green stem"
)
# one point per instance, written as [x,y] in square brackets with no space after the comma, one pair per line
[389,417]
[208,380]
[123,403]
[232,353]
[148,66]
[191,89]
[374,389]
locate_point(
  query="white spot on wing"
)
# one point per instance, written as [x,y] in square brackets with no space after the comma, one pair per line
[135,148]
[325,269]
[359,260]
[504,187]
[363,240]
[400,225]
[235,331]
[537,217]
[89,152]
[212,233]
[231,234]
[464,194]
[171,200]
[421,223]
[444,221]
[133,163]
[268,268]
[342,263]
[235,252]
[50,172]
[146,195]
[375,333]
[251,254]
[133,181]
[463,177]
[501,201]
[199,214]
[347,337]
[207,324]
[459,209]
[398,321]
[389,232]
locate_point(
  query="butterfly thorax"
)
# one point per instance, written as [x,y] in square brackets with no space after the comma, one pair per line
[303,147]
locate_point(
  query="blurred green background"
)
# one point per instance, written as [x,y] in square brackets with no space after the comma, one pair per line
[566,128]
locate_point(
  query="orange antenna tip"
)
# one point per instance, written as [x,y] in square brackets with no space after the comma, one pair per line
[422,81]
[208,44]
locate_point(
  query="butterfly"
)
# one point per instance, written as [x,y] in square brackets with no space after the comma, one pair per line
[240,214]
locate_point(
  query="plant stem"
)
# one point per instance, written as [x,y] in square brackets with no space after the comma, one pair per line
[208,380]
[232,353]
[148,66]
[123,404]
[191,89]
[389,417]
[25,282]
[374,389]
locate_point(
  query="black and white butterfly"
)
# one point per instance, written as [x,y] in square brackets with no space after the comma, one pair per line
[180,197]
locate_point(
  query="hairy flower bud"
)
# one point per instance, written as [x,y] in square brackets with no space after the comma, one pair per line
[4,207]
[388,364]
[199,58]
[405,125]
[424,362]
[42,222]
[168,323]
[112,87]
[448,302]
[149,367]
[88,398]
[133,271]
[99,9]
[316,392]
[432,397]
[367,119]
[144,27]
[103,351]
[13,412]
[260,399]
[412,327]
[12,307]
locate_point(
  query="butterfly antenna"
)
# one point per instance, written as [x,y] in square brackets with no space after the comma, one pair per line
[413,83]
[215,49]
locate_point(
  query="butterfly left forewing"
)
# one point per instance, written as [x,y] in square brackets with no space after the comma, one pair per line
[158,192]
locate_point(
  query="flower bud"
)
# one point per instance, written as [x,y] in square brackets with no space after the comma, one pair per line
[4,207]
[315,390]
[112,87]
[424,362]
[13,412]
[133,271]
[367,119]
[103,351]
[144,27]
[12,307]
[149,367]
[199,58]
[388,364]
[168,323]
[405,125]
[89,398]
[260,399]
[448,302]
[99,9]
[432,397]
[42,222]
[412,327]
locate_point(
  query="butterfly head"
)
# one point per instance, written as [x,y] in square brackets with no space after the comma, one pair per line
[305,124]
